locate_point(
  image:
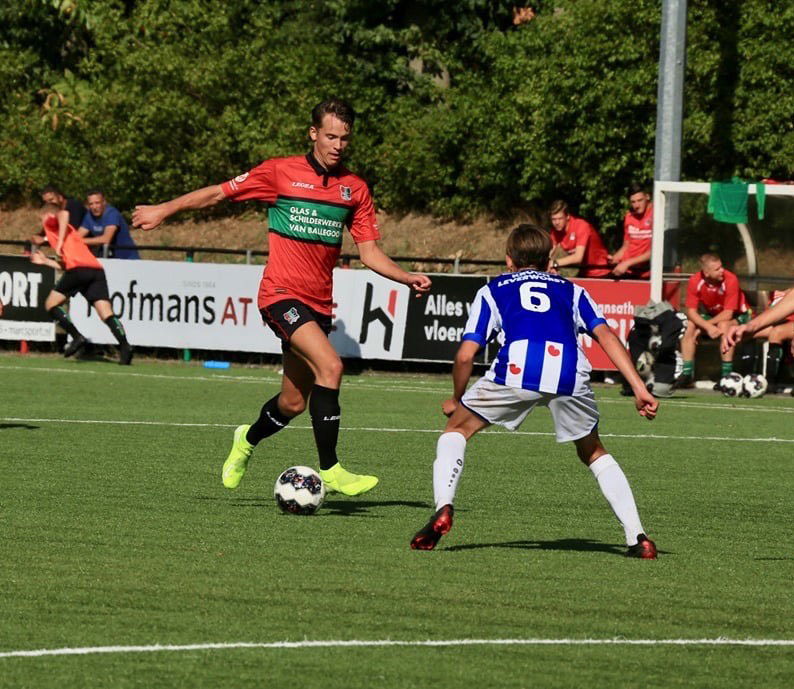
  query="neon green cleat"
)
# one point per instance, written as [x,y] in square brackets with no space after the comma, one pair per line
[237,462]
[339,480]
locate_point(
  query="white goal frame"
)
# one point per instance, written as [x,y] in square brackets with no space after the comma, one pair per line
[661,188]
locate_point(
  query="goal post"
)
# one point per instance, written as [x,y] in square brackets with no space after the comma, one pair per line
[661,190]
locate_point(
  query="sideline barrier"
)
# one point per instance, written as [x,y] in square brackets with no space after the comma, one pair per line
[24,287]
[213,307]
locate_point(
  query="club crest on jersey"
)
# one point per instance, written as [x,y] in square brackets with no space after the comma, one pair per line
[346,192]
[292,316]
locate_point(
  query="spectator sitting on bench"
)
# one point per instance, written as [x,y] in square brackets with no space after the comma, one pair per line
[714,302]
[776,335]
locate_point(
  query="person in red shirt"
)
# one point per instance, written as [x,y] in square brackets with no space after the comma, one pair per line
[714,303]
[776,323]
[311,200]
[776,335]
[579,243]
[83,274]
[632,259]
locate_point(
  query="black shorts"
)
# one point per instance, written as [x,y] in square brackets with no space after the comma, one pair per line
[90,282]
[285,317]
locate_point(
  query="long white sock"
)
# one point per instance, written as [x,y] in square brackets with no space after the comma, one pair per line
[448,467]
[615,487]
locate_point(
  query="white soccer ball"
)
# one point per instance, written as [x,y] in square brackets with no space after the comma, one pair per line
[754,385]
[732,385]
[644,365]
[299,490]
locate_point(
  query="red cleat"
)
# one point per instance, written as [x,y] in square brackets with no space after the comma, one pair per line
[439,524]
[644,548]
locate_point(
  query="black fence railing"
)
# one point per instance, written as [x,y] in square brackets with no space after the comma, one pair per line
[190,252]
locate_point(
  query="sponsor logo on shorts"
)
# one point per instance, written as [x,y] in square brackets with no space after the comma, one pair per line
[292,316]
[346,192]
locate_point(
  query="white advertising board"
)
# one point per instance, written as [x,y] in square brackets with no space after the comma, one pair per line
[213,306]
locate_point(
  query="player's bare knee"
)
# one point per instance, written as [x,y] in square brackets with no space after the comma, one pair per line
[589,449]
[291,405]
[330,373]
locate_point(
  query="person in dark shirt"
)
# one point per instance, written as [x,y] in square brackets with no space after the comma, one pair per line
[103,225]
[75,208]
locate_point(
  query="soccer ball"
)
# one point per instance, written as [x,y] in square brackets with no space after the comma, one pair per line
[299,490]
[732,385]
[644,365]
[754,385]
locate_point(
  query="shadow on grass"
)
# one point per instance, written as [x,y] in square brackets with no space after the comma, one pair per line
[4,426]
[353,507]
[330,508]
[582,545]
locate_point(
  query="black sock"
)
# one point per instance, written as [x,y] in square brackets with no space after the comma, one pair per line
[61,318]
[270,421]
[324,410]
[773,358]
[117,329]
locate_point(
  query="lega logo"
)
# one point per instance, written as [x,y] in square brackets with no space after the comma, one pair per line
[346,193]
[292,316]
[241,178]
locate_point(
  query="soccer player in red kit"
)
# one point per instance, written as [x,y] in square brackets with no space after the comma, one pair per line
[311,200]
[579,240]
[714,303]
[632,259]
[83,274]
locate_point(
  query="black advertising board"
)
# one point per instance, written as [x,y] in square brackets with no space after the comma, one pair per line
[24,287]
[435,322]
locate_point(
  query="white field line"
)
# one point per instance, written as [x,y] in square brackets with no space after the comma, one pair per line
[441,389]
[379,643]
[368,429]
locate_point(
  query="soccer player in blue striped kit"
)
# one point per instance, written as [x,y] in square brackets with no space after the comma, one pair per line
[540,363]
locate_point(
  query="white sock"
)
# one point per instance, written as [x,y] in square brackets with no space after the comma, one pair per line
[615,487]
[448,467]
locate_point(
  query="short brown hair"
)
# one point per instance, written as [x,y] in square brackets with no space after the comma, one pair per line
[529,246]
[559,206]
[53,208]
[709,258]
[336,107]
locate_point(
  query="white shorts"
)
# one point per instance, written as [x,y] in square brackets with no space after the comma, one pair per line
[574,417]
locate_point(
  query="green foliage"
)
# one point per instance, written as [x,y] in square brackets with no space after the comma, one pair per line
[460,112]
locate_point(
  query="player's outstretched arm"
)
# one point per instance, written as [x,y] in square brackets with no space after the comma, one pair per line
[646,403]
[374,259]
[41,260]
[785,307]
[149,217]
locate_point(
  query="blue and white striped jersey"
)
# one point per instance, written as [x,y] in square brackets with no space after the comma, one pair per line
[540,316]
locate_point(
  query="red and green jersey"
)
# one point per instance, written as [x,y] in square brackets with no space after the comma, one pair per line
[75,252]
[309,208]
[579,232]
[637,235]
[712,298]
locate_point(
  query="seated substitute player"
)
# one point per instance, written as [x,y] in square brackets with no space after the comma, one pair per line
[83,274]
[777,315]
[776,335]
[714,302]
[311,200]
[539,364]
[578,242]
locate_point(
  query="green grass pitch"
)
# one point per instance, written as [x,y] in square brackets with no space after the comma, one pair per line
[117,532]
